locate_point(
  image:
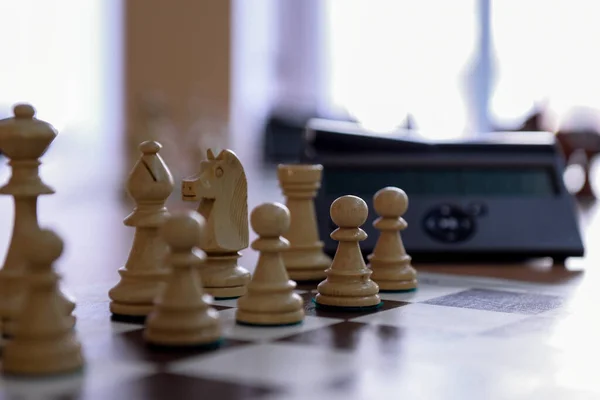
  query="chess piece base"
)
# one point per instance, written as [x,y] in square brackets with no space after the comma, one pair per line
[263,319]
[188,337]
[185,327]
[46,358]
[345,308]
[271,309]
[129,310]
[9,327]
[134,295]
[347,302]
[223,278]
[393,274]
[305,265]
[397,286]
[359,292]
[11,299]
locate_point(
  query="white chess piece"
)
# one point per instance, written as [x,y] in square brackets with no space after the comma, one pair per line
[348,283]
[182,315]
[270,298]
[391,265]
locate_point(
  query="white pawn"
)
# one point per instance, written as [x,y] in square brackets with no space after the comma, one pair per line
[44,342]
[270,299]
[348,284]
[182,315]
[389,262]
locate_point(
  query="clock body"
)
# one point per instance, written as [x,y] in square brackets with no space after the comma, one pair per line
[499,198]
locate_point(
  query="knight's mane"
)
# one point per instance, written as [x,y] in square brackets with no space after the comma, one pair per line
[239,206]
[232,231]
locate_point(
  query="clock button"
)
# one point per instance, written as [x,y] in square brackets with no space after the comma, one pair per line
[431,223]
[477,209]
[445,210]
[449,224]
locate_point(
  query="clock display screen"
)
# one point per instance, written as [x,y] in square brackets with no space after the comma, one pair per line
[446,181]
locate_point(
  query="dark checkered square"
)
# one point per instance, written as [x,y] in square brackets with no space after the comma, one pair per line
[172,386]
[384,340]
[349,335]
[500,301]
[131,346]
[311,308]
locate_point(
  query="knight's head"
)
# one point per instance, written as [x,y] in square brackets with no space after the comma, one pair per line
[211,180]
[223,180]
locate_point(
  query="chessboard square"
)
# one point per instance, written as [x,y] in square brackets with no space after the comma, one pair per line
[95,319]
[500,300]
[573,334]
[534,326]
[311,309]
[281,364]
[233,330]
[369,339]
[165,385]
[423,316]
[221,304]
[94,376]
[423,293]
[131,346]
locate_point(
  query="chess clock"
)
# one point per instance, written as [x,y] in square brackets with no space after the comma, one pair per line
[498,197]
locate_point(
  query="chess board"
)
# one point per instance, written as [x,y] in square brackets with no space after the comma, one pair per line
[453,338]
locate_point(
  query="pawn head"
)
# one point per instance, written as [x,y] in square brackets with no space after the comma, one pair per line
[390,202]
[349,211]
[183,229]
[48,247]
[23,111]
[150,147]
[270,219]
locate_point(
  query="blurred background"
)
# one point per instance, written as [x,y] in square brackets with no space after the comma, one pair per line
[209,72]
[193,74]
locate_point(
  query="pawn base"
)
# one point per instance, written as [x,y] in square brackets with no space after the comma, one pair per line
[271,319]
[398,286]
[176,339]
[306,264]
[133,311]
[223,278]
[269,325]
[38,360]
[182,329]
[399,291]
[133,296]
[347,302]
[346,308]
